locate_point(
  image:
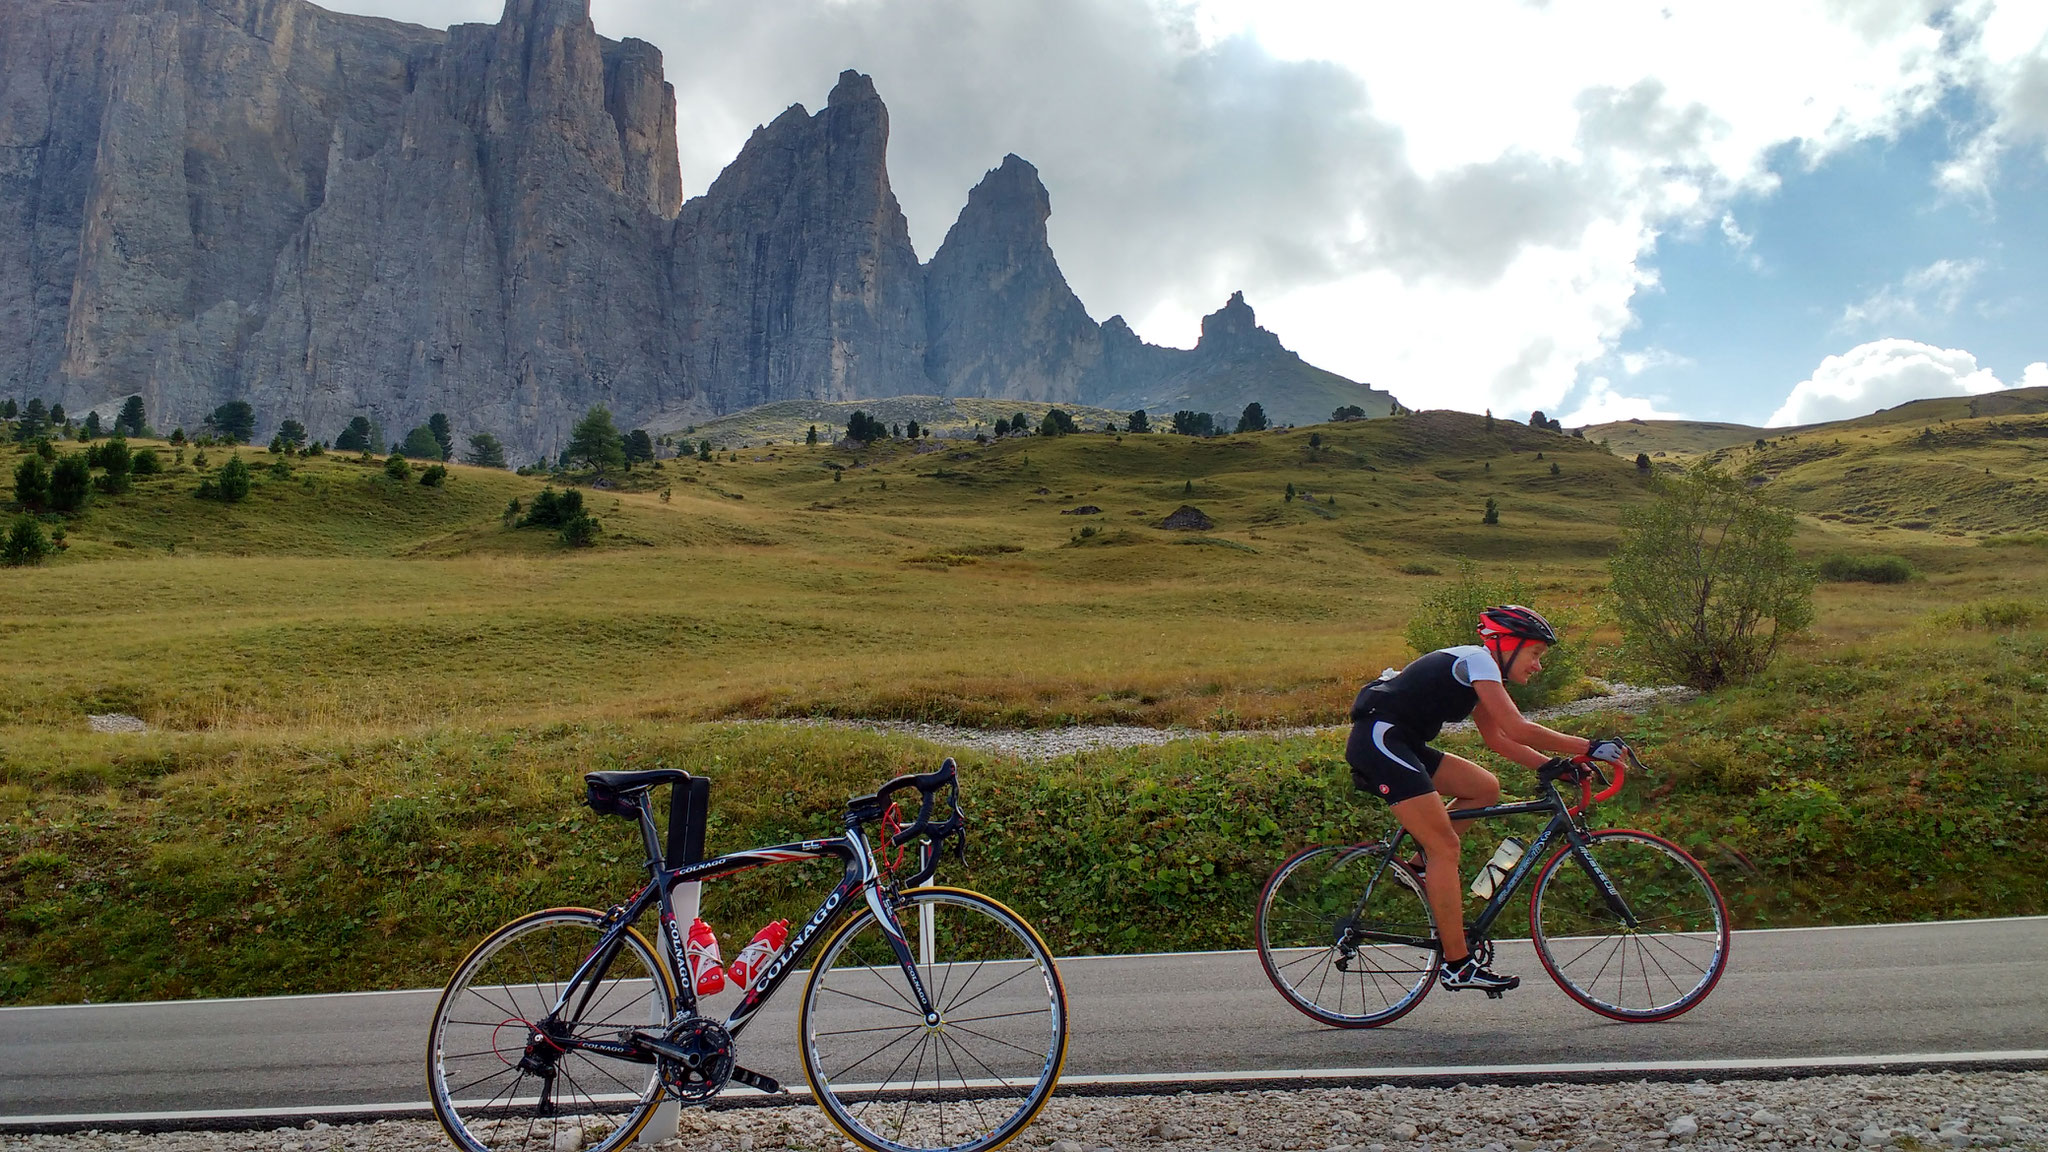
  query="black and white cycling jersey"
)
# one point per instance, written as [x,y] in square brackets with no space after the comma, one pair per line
[1435,690]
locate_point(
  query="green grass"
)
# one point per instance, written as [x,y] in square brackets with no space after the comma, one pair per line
[372,702]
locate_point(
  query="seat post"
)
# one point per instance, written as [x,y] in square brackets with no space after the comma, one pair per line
[649,836]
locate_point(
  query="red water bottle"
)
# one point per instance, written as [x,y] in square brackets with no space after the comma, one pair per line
[703,956]
[764,947]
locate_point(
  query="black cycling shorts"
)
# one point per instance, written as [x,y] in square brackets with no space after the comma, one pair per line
[1388,762]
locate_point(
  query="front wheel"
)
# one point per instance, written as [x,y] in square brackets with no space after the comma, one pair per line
[1346,936]
[893,1081]
[1662,964]
[503,1068]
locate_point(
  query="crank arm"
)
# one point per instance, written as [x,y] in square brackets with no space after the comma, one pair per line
[755,1080]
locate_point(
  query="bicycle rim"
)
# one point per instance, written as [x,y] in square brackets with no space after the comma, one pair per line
[971,1083]
[1341,947]
[1663,966]
[485,1024]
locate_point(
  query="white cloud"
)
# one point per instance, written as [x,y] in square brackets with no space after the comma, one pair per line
[1923,295]
[2036,376]
[1637,363]
[2003,56]
[1602,404]
[1881,374]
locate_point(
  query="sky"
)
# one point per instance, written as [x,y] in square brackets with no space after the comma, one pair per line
[1758,211]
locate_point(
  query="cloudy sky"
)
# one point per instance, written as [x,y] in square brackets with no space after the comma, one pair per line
[1764,211]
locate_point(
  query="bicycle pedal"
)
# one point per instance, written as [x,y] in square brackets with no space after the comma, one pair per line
[755,1080]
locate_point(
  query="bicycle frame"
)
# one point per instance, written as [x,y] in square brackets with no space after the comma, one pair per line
[1563,821]
[862,876]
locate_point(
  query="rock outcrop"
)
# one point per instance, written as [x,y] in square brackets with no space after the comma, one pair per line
[331,216]
[793,276]
[999,315]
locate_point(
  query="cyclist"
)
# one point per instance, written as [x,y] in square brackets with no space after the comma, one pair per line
[1395,718]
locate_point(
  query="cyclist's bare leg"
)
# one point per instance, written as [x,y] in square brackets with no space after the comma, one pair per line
[1465,785]
[1426,819]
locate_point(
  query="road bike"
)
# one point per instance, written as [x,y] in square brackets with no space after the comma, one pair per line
[932,1018]
[1626,922]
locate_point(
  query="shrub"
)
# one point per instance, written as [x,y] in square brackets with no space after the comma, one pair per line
[581,531]
[552,509]
[434,475]
[70,483]
[32,483]
[233,483]
[1057,422]
[281,468]
[1348,412]
[1492,513]
[1842,568]
[146,462]
[112,457]
[1449,616]
[397,468]
[1705,582]
[26,544]
[422,444]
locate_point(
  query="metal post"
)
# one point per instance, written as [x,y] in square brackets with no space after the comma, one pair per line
[668,1116]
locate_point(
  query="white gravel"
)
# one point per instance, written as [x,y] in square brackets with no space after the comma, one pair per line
[115,722]
[1907,1112]
[1053,743]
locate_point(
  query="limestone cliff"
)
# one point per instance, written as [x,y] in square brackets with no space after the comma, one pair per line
[331,216]
[999,316]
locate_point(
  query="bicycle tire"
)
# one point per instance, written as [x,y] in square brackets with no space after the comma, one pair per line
[484,1024]
[970,1089]
[1660,969]
[1309,915]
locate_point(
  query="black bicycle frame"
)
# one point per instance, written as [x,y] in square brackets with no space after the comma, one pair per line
[862,876]
[1561,822]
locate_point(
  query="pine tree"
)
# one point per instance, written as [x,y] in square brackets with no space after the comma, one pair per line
[596,441]
[437,427]
[1140,422]
[132,420]
[485,451]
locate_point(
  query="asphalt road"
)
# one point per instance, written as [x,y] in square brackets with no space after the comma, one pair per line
[1884,990]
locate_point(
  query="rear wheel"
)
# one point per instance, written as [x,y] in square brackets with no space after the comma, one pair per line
[1346,936]
[501,1066]
[1661,965]
[895,1082]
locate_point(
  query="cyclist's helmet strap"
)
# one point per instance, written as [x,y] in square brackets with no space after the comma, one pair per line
[1505,622]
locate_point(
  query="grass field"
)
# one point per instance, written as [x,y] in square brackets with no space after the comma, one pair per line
[371,700]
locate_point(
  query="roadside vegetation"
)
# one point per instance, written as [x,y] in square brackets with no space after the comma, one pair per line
[372,697]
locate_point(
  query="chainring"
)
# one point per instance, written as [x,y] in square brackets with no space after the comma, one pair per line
[703,1073]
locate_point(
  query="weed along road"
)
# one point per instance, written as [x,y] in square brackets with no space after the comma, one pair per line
[1924,990]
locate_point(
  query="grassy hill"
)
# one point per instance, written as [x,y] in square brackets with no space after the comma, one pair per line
[1693,438]
[371,702]
[950,417]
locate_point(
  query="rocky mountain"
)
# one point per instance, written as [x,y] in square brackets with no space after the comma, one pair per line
[328,215]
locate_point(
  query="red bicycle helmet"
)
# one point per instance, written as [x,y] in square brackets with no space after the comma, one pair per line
[1516,621]
[1505,622]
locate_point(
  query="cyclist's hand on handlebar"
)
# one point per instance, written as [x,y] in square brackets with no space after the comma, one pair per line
[1561,768]
[1608,749]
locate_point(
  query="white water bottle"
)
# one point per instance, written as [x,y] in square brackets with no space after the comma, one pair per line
[1498,868]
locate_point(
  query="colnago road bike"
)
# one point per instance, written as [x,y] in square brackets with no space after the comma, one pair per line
[932,1018]
[1626,922]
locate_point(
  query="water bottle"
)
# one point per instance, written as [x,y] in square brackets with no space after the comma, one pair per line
[1498,868]
[704,959]
[764,947]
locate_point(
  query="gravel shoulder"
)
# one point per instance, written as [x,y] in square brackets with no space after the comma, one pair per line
[1908,1112]
[1054,743]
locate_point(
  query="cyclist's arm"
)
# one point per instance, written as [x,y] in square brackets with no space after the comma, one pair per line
[1515,736]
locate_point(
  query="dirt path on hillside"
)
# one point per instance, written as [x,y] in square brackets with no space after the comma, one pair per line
[1053,743]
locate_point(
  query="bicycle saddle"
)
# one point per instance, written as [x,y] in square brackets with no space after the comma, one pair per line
[624,782]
